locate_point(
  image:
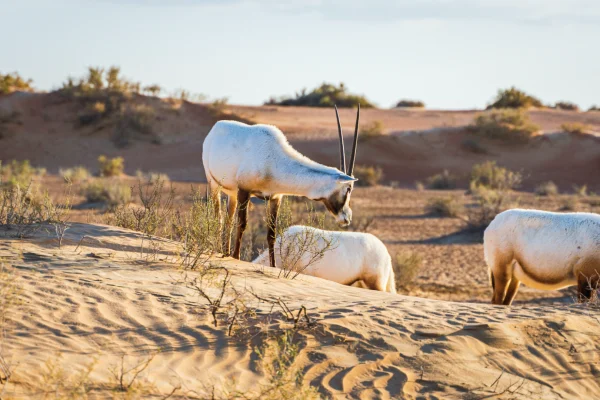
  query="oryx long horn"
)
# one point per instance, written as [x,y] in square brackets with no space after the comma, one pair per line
[342,152]
[353,156]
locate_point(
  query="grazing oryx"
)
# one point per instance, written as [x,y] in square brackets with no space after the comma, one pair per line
[544,250]
[353,257]
[244,161]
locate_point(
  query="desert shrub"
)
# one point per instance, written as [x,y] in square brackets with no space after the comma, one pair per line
[152,177]
[514,98]
[473,146]
[19,173]
[76,174]
[133,120]
[491,176]
[566,105]
[580,190]
[444,207]
[406,266]
[509,126]
[367,175]
[111,166]
[488,204]
[569,203]
[13,82]
[443,181]
[325,95]
[153,90]
[108,191]
[92,112]
[594,108]
[410,104]
[546,189]
[576,128]
[419,186]
[371,130]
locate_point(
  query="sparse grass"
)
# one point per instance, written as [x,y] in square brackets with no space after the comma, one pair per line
[111,166]
[514,98]
[507,126]
[576,128]
[367,175]
[546,189]
[326,95]
[566,105]
[76,174]
[13,82]
[111,192]
[491,176]
[406,266]
[371,130]
[410,104]
[444,207]
[443,181]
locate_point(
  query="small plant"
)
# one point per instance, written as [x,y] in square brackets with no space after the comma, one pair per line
[371,131]
[443,181]
[406,267]
[126,378]
[508,126]
[488,204]
[444,207]
[75,175]
[108,191]
[576,128]
[491,176]
[19,173]
[368,175]
[111,166]
[13,82]
[419,186]
[410,104]
[326,95]
[546,189]
[566,105]
[581,191]
[514,98]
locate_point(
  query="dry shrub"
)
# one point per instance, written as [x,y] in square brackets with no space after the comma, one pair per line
[443,181]
[491,176]
[581,191]
[326,95]
[111,192]
[546,189]
[76,174]
[367,175]
[576,128]
[594,108]
[507,126]
[152,176]
[371,130]
[134,121]
[444,207]
[566,105]
[19,173]
[13,82]
[410,104]
[111,166]
[406,266]
[514,98]
[488,204]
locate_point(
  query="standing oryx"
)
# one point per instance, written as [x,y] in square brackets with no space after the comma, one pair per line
[257,160]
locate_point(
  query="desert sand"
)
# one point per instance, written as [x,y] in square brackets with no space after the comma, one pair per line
[104,299]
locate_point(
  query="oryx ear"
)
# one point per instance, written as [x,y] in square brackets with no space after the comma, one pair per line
[343,178]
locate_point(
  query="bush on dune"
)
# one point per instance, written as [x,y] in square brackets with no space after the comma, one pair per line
[371,130]
[576,128]
[410,104]
[326,95]
[514,98]
[566,105]
[508,126]
[13,82]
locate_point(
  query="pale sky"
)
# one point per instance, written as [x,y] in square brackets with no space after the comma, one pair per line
[452,54]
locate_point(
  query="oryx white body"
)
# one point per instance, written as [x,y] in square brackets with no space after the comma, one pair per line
[352,257]
[543,250]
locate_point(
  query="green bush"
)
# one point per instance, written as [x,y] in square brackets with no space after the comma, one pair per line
[566,105]
[546,189]
[406,267]
[514,98]
[444,207]
[410,104]
[371,130]
[367,175]
[443,181]
[509,126]
[576,128]
[111,166]
[13,82]
[325,95]
[491,176]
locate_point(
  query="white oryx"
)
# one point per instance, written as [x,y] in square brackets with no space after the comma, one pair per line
[351,257]
[544,250]
[257,160]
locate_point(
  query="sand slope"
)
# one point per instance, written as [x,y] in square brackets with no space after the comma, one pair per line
[104,300]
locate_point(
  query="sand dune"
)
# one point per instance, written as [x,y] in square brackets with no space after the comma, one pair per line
[105,299]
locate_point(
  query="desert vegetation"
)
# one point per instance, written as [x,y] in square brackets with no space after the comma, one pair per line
[13,82]
[410,104]
[442,181]
[368,175]
[326,95]
[506,126]
[566,105]
[372,130]
[576,128]
[514,98]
